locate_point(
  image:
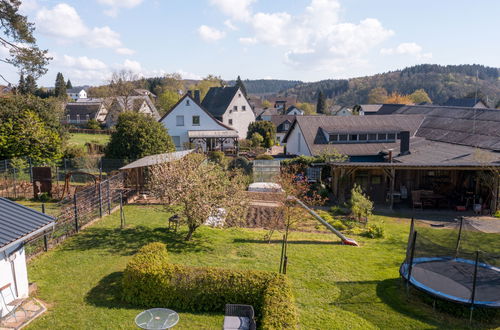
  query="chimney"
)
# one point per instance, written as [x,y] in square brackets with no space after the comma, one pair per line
[190,93]
[197,96]
[404,142]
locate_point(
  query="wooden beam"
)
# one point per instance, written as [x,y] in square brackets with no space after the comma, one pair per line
[392,178]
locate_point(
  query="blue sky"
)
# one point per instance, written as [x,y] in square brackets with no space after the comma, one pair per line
[283,39]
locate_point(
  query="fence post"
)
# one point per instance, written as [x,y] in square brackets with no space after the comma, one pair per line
[122,216]
[45,241]
[109,198]
[31,169]
[75,205]
[100,169]
[15,183]
[100,200]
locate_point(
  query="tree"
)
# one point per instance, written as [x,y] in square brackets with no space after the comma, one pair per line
[377,95]
[201,189]
[137,136]
[257,139]
[60,86]
[361,205]
[123,84]
[30,85]
[19,42]
[167,100]
[396,98]
[266,130]
[25,134]
[308,108]
[420,96]
[204,85]
[69,85]
[266,104]
[241,85]
[321,104]
[21,86]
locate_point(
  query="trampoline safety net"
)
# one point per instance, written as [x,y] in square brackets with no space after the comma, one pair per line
[455,262]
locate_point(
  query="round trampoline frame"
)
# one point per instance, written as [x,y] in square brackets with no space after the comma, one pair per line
[438,291]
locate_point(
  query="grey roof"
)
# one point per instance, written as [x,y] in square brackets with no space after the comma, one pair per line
[369,108]
[314,128]
[18,223]
[268,112]
[213,134]
[279,120]
[157,159]
[83,109]
[473,165]
[135,101]
[293,107]
[462,102]
[387,109]
[475,127]
[218,98]
[75,90]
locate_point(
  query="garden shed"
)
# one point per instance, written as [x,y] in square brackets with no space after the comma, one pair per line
[18,224]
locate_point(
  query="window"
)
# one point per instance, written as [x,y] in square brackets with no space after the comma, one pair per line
[230,122]
[381,137]
[187,102]
[243,107]
[77,118]
[333,138]
[87,117]
[286,126]
[235,108]
[196,120]
[363,137]
[177,141]
[179,120]
[353,137]
[391,136]
[239,94]
[372,137]
[342,137]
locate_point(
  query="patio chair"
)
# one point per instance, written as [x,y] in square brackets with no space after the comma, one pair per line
[11,302]
[239,317]
[415,199]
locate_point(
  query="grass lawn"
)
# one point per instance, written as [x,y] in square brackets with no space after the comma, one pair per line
[82,138]
[336,287]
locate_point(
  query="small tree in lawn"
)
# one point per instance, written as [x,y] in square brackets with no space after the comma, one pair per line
[201,189]
[361,205]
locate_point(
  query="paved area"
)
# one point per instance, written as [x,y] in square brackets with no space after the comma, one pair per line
[33,307]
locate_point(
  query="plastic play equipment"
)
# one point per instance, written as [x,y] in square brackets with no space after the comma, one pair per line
[345,240]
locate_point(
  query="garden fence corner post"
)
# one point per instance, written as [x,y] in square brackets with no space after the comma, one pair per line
[75,206]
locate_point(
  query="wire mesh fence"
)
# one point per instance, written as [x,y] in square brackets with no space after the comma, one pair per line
[24,178]
[80,209]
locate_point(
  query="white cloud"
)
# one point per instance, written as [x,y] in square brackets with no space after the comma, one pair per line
[238,10]
[28,5]
[210,34]
[230,25]
[133,66]
[248,41]
[61,21]
[82,62]
[125,51]
[103,37]
[188,75]
[115,5]
[407,48]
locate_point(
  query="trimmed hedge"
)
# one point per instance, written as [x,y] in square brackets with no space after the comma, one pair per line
[151,280]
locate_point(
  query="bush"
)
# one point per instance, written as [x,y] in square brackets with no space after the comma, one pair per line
[257,140]
[373,231]
[74,151]
[264,157]
[93,124]
[339,210]
[497,214]
[240,163]
[43,197]
[217,157]
[361,205]
[151,280]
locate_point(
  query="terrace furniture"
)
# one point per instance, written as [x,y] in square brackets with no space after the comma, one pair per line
[239,317]
[157,318]
[11,302]
[415,199]
[173,222]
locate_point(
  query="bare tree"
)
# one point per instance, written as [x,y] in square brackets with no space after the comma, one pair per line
[118,94]
[201,189]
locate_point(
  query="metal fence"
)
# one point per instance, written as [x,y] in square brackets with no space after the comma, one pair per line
[82,208]
[16,175]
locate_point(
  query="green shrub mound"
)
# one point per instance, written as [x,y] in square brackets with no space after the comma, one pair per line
[151,280]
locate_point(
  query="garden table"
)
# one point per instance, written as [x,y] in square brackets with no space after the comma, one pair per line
[157,318]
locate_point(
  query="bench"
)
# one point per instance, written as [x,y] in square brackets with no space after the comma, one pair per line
[11,302]
[239,317]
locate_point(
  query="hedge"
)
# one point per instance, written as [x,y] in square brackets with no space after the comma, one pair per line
[151,280]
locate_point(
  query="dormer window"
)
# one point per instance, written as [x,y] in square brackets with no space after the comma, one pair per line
[286,126]
[361,137]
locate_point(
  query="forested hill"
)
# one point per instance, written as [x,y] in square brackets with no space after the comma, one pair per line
[440,83]
[267,86]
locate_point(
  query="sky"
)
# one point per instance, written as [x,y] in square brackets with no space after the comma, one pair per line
[306,40]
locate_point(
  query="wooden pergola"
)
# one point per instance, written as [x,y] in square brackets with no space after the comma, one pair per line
[214,140]
[345,171]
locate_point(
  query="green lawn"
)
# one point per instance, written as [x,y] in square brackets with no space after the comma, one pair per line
[82,138]
[336,287]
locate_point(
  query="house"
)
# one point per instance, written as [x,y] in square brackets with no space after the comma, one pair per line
[465,102]
[338,110]
[191,125]
[144,92]
[229,106]
[76,93]
[267,113]
[378,109]
[79,113]
[294,111]
[282,124]
[361,138]
[119,104]
[18,224]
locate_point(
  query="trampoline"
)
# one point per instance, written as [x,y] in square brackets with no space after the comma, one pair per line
[457,268]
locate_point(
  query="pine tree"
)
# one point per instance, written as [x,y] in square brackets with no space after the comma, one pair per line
[60,86]
[321,105]
[30,85]
[21,87]
[240,84]
[69,85]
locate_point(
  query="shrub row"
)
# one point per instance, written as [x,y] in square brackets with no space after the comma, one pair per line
[151,280]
